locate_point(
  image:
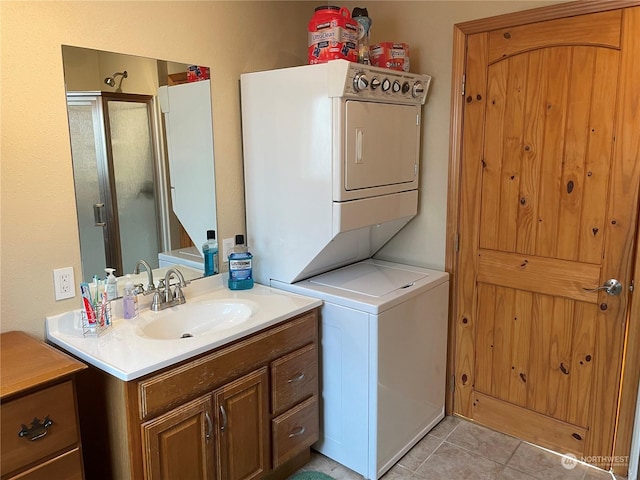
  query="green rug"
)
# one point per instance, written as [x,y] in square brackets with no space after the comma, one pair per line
[311,476]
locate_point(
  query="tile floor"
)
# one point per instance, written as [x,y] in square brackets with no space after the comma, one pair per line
[457,449]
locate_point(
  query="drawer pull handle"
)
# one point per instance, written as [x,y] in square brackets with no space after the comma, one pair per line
[223,427]
[39,428]
[296,379]
[296,432]
[209,426]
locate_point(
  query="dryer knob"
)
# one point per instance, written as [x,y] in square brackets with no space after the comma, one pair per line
[360,82]
[405,87]
[396,86]
[386,85]
[375,83]
[418,90]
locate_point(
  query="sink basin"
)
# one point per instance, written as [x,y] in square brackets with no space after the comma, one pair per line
[195,319]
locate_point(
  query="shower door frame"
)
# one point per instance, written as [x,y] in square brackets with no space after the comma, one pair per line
[106,171]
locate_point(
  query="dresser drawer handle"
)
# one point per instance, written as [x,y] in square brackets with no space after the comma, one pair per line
[39,428]
[296,378]
[296,432]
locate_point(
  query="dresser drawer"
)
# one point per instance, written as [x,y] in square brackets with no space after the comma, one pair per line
[294,377]
[58,404]
[294,431]
[67,466]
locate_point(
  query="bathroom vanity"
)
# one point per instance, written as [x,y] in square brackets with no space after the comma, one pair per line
[242,404]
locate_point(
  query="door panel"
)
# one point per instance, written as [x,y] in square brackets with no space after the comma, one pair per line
[549,181]
[372,157]
[242,433]
[178,443]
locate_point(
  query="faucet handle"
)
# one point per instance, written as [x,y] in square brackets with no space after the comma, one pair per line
[178,295]
[161,285]
[155,303]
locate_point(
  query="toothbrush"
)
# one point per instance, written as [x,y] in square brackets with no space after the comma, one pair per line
[85,291]
[96,284]
[103,309]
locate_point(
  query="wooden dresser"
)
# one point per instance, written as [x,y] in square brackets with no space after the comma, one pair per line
[39,430]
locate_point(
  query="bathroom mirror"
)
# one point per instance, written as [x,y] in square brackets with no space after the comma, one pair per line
[142,152]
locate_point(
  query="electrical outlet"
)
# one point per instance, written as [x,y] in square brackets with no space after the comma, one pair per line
[227,248]
[63,283]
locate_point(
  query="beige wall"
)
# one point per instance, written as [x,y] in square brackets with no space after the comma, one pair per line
[39,230]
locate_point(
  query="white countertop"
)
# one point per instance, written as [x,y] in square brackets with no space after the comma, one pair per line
[125,354]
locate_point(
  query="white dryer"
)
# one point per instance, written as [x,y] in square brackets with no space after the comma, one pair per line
[331,168]
[383,354]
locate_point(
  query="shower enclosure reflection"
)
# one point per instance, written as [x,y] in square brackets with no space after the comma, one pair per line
[113,165]
[135,196]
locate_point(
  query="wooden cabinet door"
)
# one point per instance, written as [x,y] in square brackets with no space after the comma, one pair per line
[242,427]
[549,204]
[179,444]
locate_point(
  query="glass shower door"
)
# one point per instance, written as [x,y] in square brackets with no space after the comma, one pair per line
[133,179]
[87,147]
[114,165]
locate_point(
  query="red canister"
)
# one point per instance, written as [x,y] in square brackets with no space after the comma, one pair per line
[333,34]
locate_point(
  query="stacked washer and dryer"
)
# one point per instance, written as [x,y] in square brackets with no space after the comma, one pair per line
[331,159]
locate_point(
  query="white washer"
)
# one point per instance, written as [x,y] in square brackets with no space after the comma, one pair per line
[383,350]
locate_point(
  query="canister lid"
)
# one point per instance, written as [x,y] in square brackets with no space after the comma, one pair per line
[326,7]
[359,12]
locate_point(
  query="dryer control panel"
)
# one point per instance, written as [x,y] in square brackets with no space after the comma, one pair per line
[382,84]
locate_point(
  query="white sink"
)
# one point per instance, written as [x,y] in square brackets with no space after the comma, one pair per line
[195,319]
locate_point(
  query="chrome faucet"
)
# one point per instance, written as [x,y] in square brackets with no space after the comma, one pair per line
[164,297]
[150,285]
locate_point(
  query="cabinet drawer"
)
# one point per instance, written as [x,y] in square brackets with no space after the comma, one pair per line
[294,431]
[161,392]
[57,403]
[67,466]
[294,377]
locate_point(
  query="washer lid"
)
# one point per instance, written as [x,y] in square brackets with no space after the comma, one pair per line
[369,279]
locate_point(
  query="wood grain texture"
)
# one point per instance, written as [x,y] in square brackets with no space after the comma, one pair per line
[295,428]
[112,416]
[170,388]
[630,378]
[620,239]
[453,206]
[542,14]
[294,377]
[38,382]
[468,223]
[56,402]
[520,422]
[176,443]
[28,362]
[67,466]
[242,427]
[539,274]
[577,180]
[509,41]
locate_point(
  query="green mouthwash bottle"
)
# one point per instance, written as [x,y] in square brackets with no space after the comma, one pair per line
[240,267]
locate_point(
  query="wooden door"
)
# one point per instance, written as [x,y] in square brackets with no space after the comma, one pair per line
[179,444]
[548,207]
[242,429]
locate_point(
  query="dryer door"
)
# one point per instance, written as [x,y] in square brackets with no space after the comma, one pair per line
[381,146]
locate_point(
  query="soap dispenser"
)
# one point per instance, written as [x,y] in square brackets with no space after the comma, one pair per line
[111,284]
[130,299]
